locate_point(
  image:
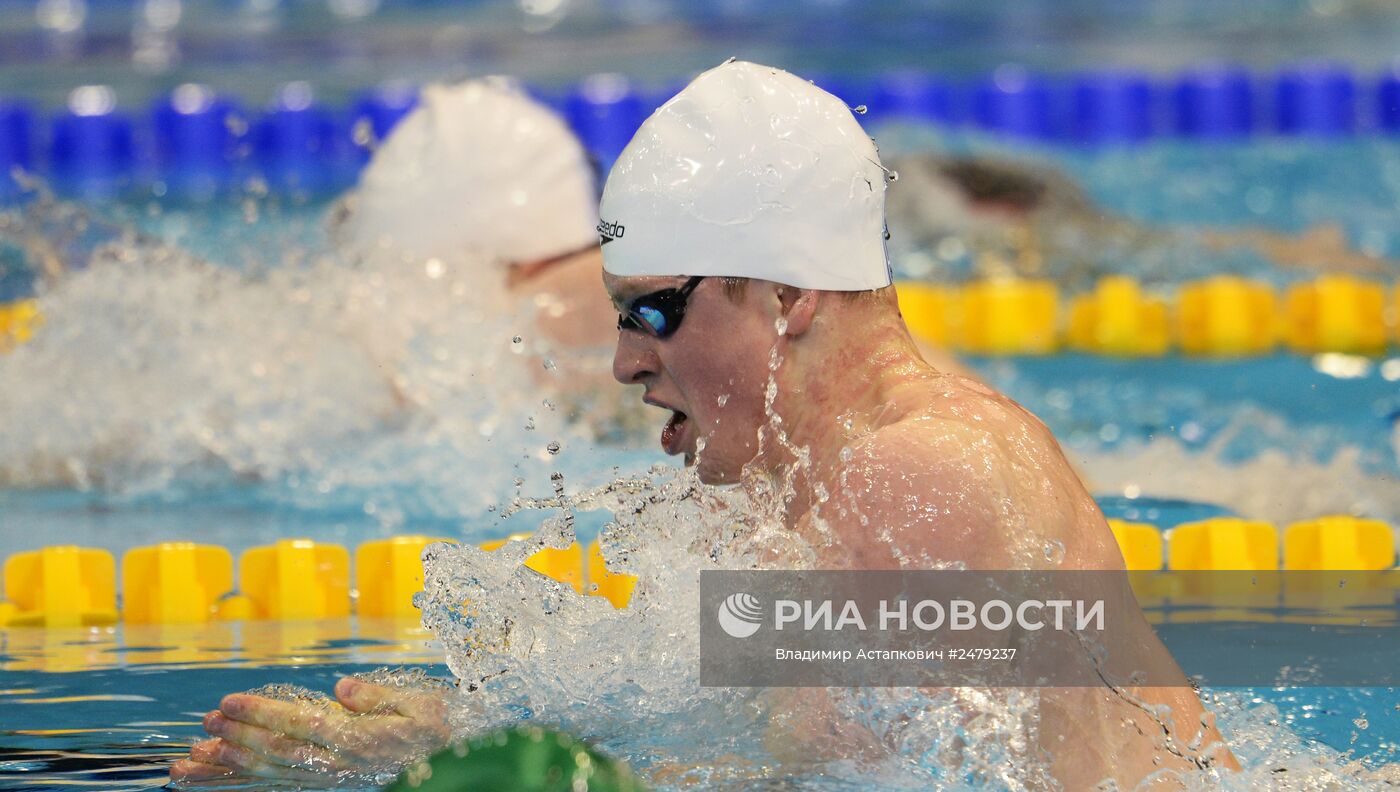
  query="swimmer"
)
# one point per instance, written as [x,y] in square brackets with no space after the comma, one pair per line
[479,168]
[754,233]
[429,192]
[777,250]
[487,181]
[1023,219]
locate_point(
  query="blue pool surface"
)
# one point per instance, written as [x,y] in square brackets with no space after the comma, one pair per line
[109,709]
[1229,413]
[138,704]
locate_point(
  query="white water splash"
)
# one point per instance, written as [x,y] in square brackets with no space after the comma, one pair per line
[1273,485]
[524,646]
[155,369]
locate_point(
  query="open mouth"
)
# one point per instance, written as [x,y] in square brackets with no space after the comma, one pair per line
[671,433]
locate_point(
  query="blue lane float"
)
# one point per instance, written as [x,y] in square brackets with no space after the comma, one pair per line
[197,135]
[92,151]
[1214,102]
[16,144]
[1112,107]
[375,113]
[605,112]
[1388,102]
[196,141]
[298,146]
[913,96]
[1316,99]
[1016,103]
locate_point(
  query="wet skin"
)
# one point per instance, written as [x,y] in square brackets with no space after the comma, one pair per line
[938,470]
[254,737]
[259,738]
[983,201]
[568,308]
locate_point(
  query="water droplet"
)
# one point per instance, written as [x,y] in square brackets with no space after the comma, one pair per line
[1055,551]
[553,447]
[1361,723]
[893,175]
[515,339]
[723,399]
[236,124]
[781,325]
[530,424]
[363,133]
[847,454]
[548,364]
[861,109]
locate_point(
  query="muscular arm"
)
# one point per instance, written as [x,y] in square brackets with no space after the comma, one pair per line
[923,494]
[980,484]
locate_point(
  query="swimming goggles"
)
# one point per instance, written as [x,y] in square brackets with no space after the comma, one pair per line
[660,312]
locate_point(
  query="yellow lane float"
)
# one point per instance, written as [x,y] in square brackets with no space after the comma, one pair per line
[1336,313]
[1226,316]
[1116,318]
[1010,317]
[62,586]
[174,583]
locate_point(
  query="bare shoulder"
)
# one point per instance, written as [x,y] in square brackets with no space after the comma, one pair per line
[965,474]
[954,421]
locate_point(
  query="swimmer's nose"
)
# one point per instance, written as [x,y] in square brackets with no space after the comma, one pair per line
[633,361]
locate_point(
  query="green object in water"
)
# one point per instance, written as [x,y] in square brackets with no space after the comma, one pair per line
[521,759]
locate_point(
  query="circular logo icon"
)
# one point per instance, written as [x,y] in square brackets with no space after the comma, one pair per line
[740,615]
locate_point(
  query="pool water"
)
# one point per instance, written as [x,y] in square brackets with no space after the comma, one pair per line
[111,709]
[119,729]
[1165,440]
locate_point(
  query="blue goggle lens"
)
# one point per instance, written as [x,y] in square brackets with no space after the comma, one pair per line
[652,317]
[660,312]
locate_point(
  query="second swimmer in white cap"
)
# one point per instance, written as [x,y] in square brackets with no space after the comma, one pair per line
[480,170]
[743,227]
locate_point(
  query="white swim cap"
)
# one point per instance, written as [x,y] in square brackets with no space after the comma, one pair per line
[749,172]
[477,167]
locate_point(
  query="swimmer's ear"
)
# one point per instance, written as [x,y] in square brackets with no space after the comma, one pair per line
[797,306]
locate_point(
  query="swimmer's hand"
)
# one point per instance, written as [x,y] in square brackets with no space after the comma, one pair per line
[379,730]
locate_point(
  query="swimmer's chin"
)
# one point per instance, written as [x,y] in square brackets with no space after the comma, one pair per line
[702,472]
[710,474]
